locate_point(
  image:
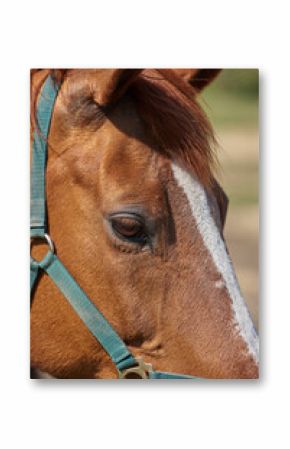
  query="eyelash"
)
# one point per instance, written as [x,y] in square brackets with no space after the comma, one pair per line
[128,247]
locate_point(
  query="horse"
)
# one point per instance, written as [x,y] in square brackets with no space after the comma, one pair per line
[137,217]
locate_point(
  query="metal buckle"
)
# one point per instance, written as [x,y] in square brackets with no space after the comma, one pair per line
[140,371]
[46,238]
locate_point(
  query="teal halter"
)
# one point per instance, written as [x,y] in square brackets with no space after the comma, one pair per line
[127,365]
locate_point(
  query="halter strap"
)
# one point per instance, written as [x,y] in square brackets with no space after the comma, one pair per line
[94,320]
[39,155]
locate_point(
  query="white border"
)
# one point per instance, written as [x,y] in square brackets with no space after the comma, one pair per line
[151,33]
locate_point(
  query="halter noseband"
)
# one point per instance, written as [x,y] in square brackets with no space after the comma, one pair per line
[127,365]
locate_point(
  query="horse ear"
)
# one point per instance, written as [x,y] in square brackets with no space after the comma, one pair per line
[198,78]
[112,84]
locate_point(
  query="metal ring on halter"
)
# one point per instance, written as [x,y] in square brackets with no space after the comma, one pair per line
[46,238]
[140,371]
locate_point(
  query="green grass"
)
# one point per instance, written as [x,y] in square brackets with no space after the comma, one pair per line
[241,184]
[232,103]
[232,99]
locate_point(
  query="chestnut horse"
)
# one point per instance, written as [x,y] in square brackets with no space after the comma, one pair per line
[137,218]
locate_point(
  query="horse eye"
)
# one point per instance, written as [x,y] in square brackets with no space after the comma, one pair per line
[129,228]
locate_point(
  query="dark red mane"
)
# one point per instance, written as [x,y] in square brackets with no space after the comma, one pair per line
[168,107]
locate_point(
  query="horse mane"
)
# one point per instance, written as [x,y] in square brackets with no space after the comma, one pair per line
[171,114]
[169,109]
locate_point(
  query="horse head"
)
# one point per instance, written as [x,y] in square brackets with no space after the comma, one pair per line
[137,217]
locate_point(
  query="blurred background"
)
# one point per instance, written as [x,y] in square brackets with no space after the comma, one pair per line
[232,104]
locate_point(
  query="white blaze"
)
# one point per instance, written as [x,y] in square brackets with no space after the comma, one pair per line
[210,234]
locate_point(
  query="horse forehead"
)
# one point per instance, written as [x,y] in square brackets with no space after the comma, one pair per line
[129,170]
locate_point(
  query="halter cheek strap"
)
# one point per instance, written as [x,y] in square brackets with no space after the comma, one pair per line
[127,365]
